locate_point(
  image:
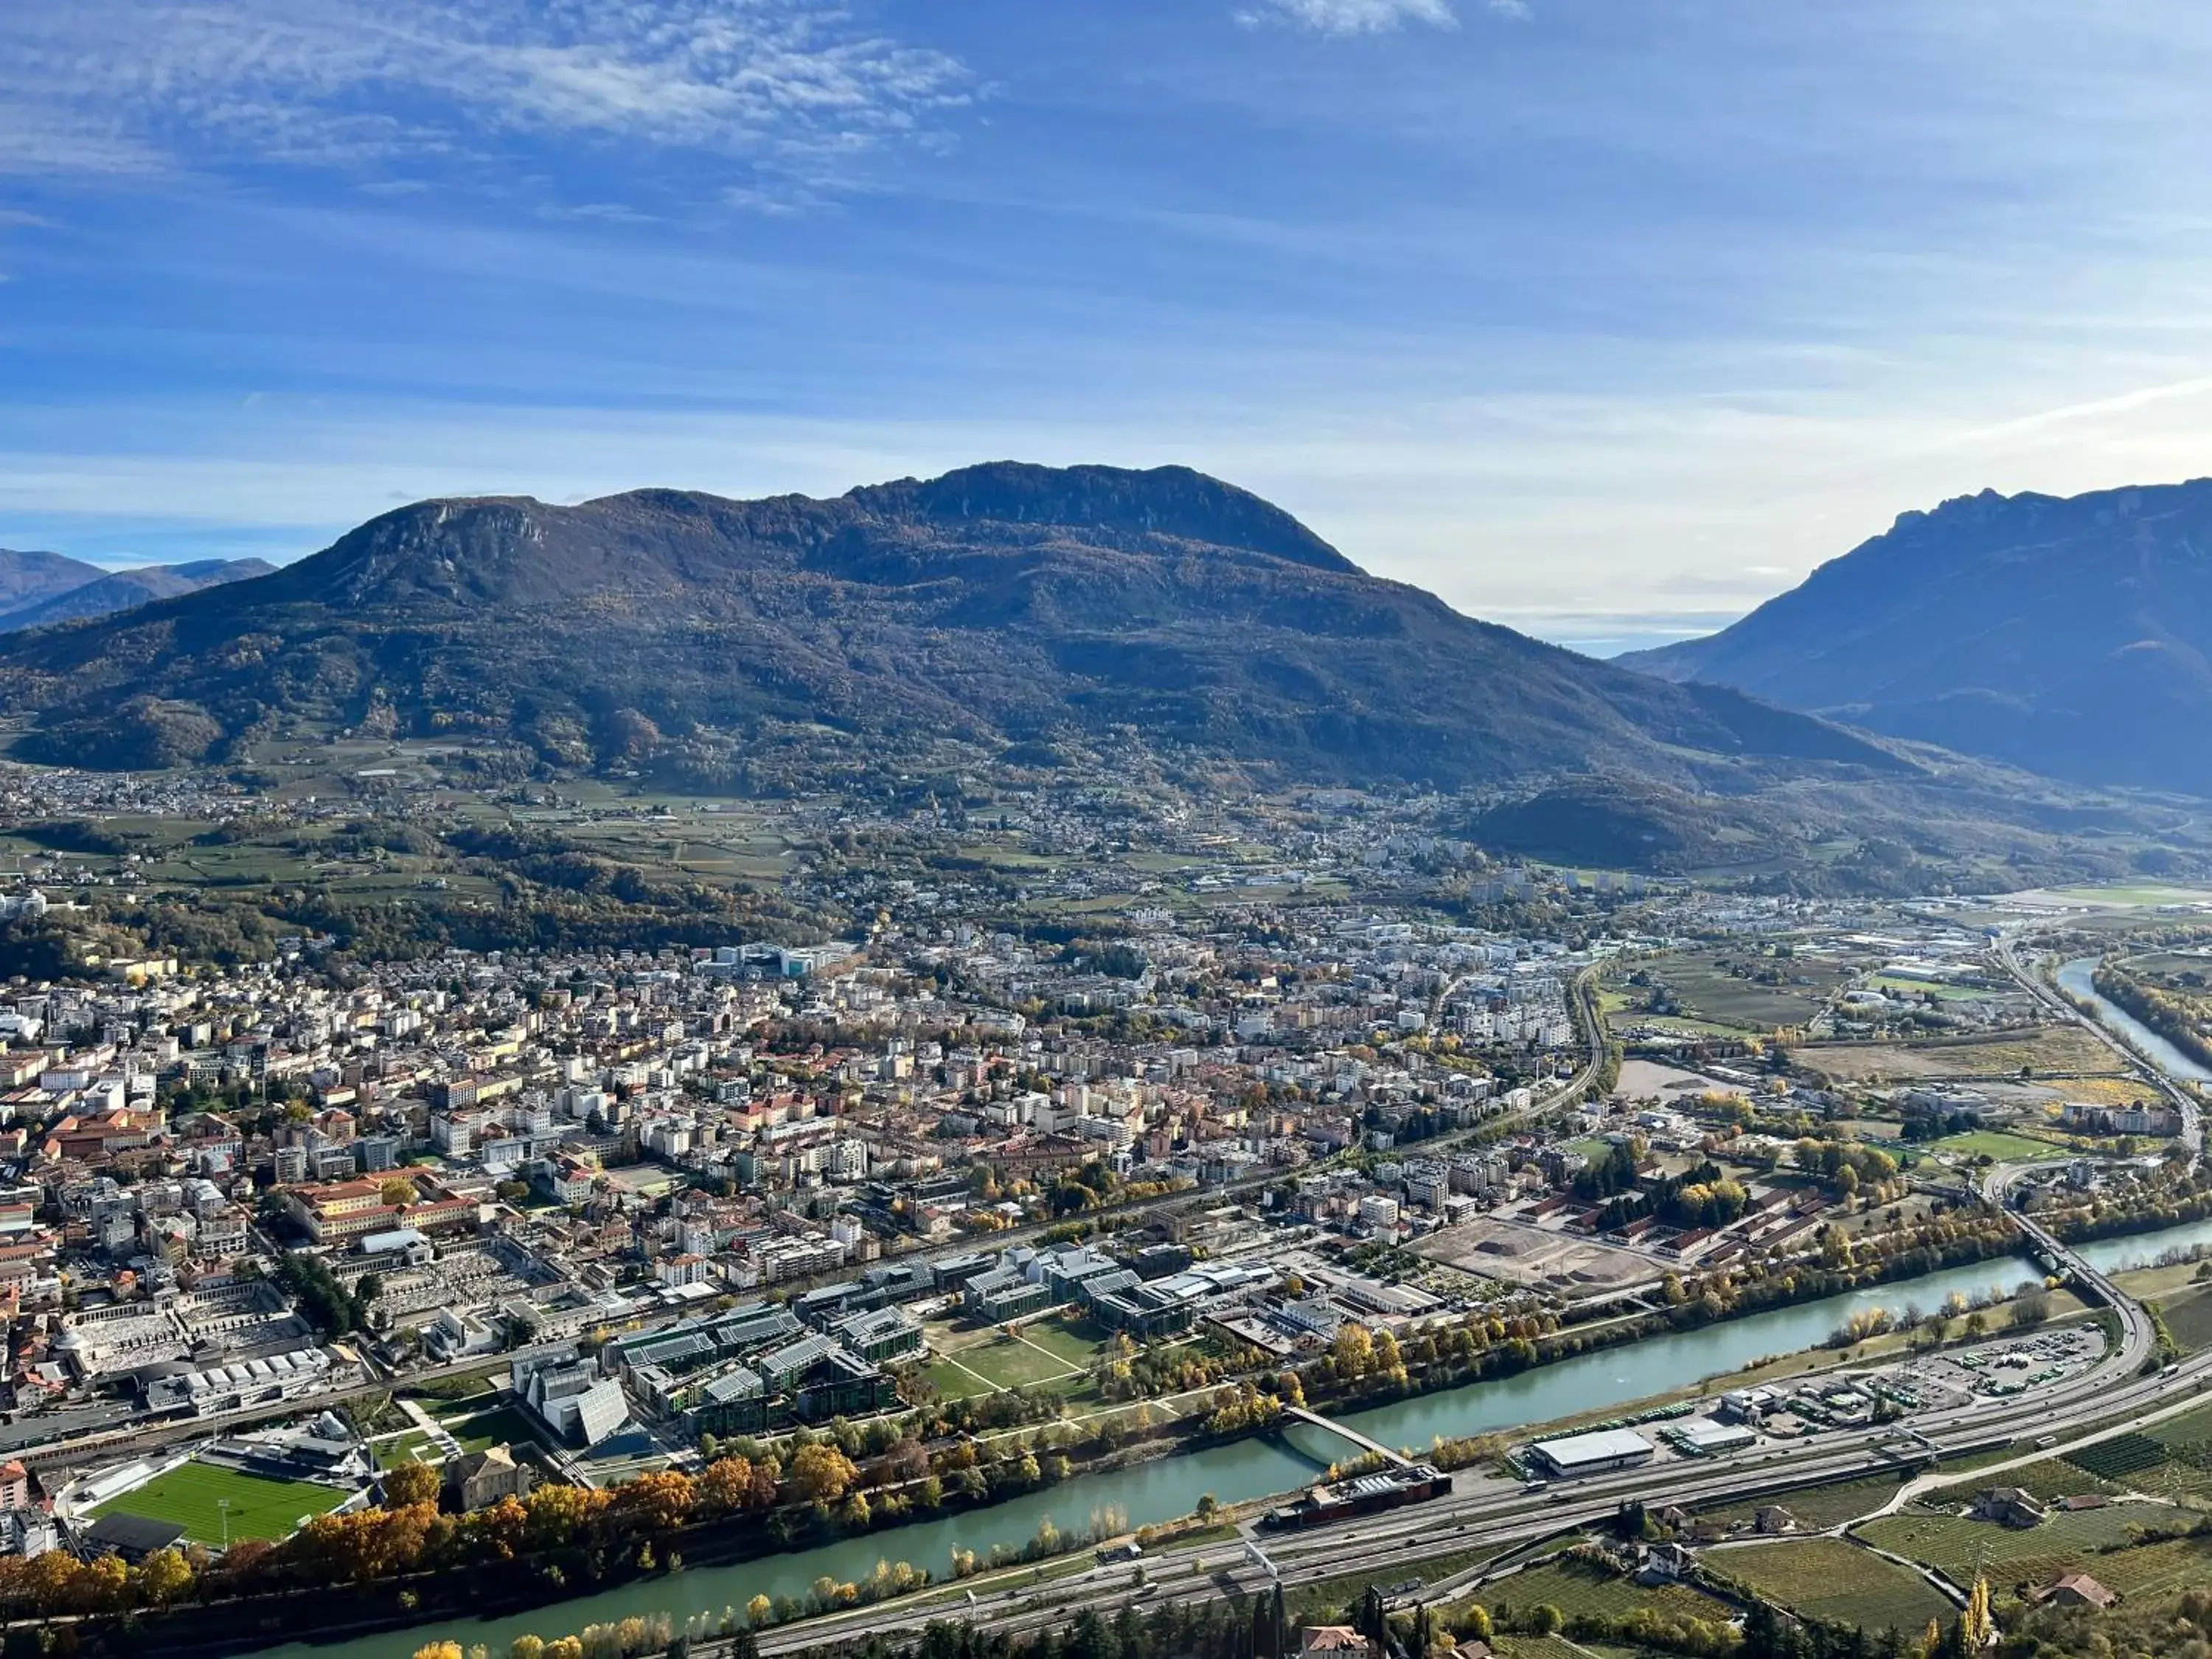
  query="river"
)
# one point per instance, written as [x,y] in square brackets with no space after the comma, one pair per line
[2113,1256]
[1168,1487]
[2076,977]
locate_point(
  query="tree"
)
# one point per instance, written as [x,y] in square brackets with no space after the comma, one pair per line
[557,1515]
[655,1502]
[399,1192]
[821,1474]
[756,1614]
[527,1647]
[725,1485]
[1353,1349]
[163,1577]
[1546,1619]
[411,1483]
[438,1651]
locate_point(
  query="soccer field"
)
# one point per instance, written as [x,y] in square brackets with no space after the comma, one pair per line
[190,1494]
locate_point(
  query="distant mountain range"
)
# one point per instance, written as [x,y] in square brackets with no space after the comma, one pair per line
[1009,614]
[1002,604]
[38,588]
[2071,637]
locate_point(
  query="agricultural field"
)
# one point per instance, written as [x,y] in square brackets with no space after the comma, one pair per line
[2051,1479]
[1734,991]
[1543,1647]
[1816,1508]
[1574,1588]
[1957,1547]
[1330,1596]
[2116,1460]
[2188,1320]
[2049,1050]
[192,1495]
[1828,1578]
[2156,1569]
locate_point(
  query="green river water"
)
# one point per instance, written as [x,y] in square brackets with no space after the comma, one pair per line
[1169,1487]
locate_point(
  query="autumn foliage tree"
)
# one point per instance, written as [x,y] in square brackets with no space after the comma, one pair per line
[821,1473]
[411,1483]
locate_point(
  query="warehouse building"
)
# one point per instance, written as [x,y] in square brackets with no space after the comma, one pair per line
[1599,1453]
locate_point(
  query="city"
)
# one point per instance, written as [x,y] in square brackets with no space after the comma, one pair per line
[1244,1236]
[1121,829]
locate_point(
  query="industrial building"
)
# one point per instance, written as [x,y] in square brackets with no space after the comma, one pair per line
[1597,1452]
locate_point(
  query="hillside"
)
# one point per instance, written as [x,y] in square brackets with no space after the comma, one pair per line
[998,604]
[109,592]
[2072,637]
[29,579]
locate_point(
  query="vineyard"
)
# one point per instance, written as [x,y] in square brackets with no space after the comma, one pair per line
[2115,1459]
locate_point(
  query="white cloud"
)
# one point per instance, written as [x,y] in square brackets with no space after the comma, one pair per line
[790,88]
[1357,16]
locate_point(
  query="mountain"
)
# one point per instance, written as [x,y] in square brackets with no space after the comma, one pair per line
[2072,637]
[29,579]
[109,592]
[1000,604]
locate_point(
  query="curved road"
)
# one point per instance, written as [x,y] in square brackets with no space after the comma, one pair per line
[2111,1397]
[2115,1395]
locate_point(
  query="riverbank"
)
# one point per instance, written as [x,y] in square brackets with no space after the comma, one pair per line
[2077,980]
[1245,1470]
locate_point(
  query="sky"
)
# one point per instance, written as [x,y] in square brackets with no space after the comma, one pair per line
[1603,319]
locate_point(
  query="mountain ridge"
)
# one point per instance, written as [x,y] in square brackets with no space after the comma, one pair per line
[997,603]
[2072,635]
[28,577]
[111,591]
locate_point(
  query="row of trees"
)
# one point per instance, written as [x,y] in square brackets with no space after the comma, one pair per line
[2173,1015]
[58,1583]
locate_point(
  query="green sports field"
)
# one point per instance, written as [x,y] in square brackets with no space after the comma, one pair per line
[191,1496]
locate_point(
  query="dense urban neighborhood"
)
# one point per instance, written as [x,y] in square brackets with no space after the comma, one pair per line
[1338,1212]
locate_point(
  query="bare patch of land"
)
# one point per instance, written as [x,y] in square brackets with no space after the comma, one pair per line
[1533,1258]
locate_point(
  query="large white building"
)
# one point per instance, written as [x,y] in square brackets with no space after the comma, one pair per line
[569,1397]
[248,1382]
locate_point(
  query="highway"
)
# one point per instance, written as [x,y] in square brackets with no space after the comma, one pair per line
[2118,1394]
[2111,1397]
[2115,1395]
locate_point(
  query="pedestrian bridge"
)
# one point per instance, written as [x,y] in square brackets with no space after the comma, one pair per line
[1396,1459]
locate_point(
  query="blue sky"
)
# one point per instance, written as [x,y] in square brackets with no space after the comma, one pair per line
[1603,318]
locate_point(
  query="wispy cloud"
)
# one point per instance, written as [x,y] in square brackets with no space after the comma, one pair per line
[787,87]
[1357,16]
